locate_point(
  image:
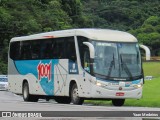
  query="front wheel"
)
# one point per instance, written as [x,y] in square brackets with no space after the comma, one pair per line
[118,102]
[75,99]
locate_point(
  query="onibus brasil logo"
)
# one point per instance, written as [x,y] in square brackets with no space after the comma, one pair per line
[44,70]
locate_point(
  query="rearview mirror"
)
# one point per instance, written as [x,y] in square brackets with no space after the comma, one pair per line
[91,49]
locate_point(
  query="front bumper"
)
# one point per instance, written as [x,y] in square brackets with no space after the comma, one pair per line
[100,92]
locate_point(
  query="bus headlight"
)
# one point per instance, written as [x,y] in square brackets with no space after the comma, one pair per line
[138,86]
[100,84]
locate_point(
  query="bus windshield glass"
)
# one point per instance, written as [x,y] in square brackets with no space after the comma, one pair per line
[117,61]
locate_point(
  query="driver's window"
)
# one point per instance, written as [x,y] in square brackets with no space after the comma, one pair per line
[84,52]
[87,60]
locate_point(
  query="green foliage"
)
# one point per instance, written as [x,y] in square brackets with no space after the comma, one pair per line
[19,18]
[153,21]
[74,9]
[122,14]
[149,33]
[3,68]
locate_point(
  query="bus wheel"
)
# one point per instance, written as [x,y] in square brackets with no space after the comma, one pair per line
[26,96]
[47,99]
[75,99]
[118,102]
[63,100]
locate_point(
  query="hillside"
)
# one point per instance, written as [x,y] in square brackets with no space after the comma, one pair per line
[18,18]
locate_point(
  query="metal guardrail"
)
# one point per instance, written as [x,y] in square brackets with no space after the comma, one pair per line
[154,58]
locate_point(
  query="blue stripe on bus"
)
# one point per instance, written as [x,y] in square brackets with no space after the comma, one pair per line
[39,69]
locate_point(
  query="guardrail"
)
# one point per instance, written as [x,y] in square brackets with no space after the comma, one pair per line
[154,58]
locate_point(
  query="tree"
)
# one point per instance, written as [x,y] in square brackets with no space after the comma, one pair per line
[149,33]
[21,18]
[121,14]
[74,9]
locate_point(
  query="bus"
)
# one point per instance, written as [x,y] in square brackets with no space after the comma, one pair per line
[74,65]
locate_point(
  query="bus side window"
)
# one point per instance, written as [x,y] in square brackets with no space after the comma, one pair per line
[15,50]
[46,49]
[25,50]
[71,50]
[35,49]
[55,51]
[58,49]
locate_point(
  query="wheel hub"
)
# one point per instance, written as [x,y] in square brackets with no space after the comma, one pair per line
[75,94]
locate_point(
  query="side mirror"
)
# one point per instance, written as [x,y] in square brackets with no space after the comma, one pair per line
[91,49]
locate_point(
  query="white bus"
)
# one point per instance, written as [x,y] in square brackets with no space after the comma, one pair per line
[75,65]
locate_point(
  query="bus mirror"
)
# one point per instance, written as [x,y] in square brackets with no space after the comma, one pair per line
[91,49]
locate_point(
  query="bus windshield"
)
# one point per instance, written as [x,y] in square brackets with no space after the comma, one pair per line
[117,61]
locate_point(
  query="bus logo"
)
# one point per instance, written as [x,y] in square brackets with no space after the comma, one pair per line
[73,68]
[44,70]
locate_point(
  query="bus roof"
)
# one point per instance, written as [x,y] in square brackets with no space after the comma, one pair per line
[95,34]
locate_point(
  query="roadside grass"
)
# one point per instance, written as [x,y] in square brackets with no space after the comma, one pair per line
[151,69]
[151,89]
[151,95]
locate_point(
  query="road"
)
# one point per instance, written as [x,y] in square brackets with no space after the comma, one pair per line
[12,102]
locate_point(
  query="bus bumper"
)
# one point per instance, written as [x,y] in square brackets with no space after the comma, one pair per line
[104,93]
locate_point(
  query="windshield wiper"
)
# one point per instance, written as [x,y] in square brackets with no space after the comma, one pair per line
[101,75]
[111,65]
[126,68]
[137,77]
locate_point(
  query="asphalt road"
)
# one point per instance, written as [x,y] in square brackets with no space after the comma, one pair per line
[12,102]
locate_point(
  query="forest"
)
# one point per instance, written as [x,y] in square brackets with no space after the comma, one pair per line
[138,17]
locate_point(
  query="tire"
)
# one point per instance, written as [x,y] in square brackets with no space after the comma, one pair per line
[26,96]
[75,99]
[118,102]
[47,99]
[63,100]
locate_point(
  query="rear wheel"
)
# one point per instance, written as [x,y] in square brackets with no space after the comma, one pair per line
[75,99]
[63,100]
[47,99]
[26,96]
[118,102]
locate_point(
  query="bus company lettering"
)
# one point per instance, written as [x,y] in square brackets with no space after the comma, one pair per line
[44,70]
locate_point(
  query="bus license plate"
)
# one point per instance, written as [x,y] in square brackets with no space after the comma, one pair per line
[119,94]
